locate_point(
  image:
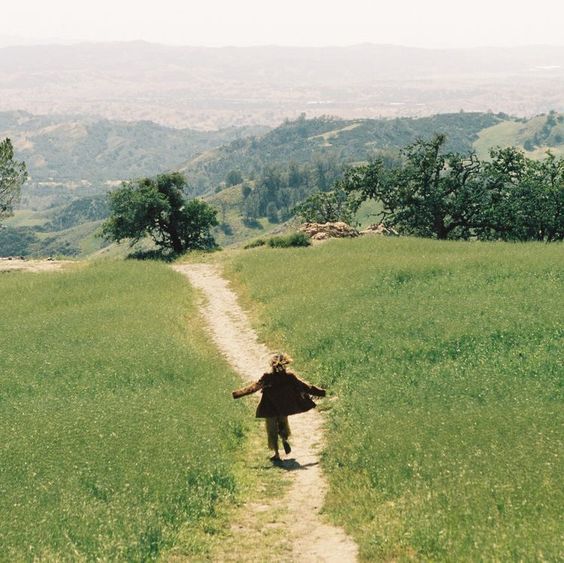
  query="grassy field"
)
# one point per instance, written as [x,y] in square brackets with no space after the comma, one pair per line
[516,133]
[117,429]
[445,438]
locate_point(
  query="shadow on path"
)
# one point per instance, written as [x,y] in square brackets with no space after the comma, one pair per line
[293,464]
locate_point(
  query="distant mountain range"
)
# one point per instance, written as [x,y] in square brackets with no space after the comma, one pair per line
[211,88]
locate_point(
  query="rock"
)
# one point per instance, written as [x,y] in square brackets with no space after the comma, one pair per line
[324,231]
[380,229]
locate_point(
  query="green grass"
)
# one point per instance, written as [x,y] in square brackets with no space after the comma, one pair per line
[117,428]
[228,203]
[26,218]
[445,441]
[516,133]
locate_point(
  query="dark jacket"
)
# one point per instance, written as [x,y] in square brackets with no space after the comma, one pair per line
[283,394]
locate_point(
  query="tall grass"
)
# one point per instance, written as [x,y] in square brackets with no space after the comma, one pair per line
[445,441]
[116,423]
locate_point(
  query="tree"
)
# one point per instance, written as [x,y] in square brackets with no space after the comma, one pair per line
[525,197]
[272,212]
[233,178]
[12,176]
[428,193]
[433,194]
[323,207]
[246,190]
[17,241]
[157,207]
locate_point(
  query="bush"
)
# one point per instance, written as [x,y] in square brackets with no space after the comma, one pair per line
[255,243]
[226,229]
[16,241]
[295,239]
[251,223]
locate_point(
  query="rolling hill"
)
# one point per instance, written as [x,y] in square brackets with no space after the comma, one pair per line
[535,135]
[81,149]
[63,217]
[340,140]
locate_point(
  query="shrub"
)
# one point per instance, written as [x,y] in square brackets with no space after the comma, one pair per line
[255,243]
[295,239]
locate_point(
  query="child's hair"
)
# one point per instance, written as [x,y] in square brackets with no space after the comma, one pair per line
[280,361]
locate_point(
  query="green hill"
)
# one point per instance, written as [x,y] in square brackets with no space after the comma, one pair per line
[74,149]
[328,138]
[535,135]
[442,361]
[107,449]
[67,230]
[280,167]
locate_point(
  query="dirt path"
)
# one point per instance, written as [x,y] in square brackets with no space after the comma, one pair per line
[17,265]
[299,520]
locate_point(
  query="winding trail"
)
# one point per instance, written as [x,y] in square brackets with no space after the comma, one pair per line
[300,521]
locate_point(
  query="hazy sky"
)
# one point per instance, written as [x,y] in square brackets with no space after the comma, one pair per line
[422,23]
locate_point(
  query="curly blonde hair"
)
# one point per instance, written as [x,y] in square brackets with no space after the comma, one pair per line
[280,361]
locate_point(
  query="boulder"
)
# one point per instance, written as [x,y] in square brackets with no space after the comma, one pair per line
[324,231]
[380,229]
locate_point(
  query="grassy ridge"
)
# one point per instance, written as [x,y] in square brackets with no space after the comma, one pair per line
[116,424]
[518,132]
[445,441]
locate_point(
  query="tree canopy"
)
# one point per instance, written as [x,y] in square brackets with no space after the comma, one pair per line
[431,193]
[323,207]
[12,176]
[157,207]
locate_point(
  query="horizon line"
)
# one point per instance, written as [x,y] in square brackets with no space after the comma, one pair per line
[58,42]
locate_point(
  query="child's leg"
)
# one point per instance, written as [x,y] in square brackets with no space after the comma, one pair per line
[283,427]
[272,434]
[284,431]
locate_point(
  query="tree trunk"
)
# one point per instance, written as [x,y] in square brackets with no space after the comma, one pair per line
[177,245]
[440,229]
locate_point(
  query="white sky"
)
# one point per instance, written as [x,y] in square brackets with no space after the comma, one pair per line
[421,23]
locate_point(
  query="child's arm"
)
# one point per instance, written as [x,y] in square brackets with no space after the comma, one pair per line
[317,391]
[310,389]
[252,388]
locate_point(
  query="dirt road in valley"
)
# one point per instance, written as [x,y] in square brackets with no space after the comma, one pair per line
[312,539]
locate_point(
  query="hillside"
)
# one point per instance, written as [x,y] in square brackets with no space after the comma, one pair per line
[341,141]
[81,151]
[535,136]
[442,361]
[213,88]
[283,165]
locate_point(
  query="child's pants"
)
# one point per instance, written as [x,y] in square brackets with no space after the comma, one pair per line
[277,425]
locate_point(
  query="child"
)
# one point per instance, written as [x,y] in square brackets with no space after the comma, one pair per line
[283,394]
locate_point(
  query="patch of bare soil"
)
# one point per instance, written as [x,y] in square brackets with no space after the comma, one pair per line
[18,265]
[297,516]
